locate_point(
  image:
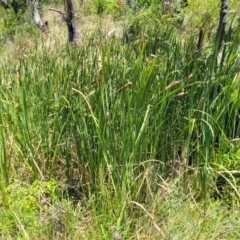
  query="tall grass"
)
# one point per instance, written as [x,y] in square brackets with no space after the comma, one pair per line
[110,116]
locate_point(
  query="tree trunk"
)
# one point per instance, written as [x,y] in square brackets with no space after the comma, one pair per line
[222,23]
[34,7]
[5,4]
[70,19]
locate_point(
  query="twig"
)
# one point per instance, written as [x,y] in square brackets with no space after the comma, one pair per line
[123,88]
[55,10]
[61,12]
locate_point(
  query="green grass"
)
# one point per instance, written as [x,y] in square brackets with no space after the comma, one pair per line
[139,132]
[37,212]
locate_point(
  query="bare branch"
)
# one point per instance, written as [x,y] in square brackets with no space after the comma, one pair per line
[55,10]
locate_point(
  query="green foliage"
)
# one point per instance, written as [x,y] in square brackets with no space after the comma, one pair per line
[19,7]
[228,175]
[12,24]
[101,7]
[145,4]
[37,208]
[17,20]
[117,120]
[5,197]
[194,114]
[55,219]
[8,24]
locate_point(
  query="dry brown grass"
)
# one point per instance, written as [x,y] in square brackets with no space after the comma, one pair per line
[87,25]
[56,37]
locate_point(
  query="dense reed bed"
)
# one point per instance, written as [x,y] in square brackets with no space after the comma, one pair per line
[119,122]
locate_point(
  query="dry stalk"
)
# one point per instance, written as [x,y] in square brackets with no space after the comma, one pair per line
[151,217]
[116,235]
[190,76]
[93,82]
[123,88]
[179,94]
[172,85]
[200,39]
[108,117]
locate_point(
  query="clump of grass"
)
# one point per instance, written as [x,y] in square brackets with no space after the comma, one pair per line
[168,214]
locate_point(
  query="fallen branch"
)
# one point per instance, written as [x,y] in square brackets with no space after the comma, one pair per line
[55,10]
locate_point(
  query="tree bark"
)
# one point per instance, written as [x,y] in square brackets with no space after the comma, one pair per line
[34,7]
[70,19]
[222,23]
[5,4]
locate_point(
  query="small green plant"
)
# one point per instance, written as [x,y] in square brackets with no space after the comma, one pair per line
[5,196]
[100,6]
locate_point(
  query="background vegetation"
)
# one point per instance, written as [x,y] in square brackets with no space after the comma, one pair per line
[132,134]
